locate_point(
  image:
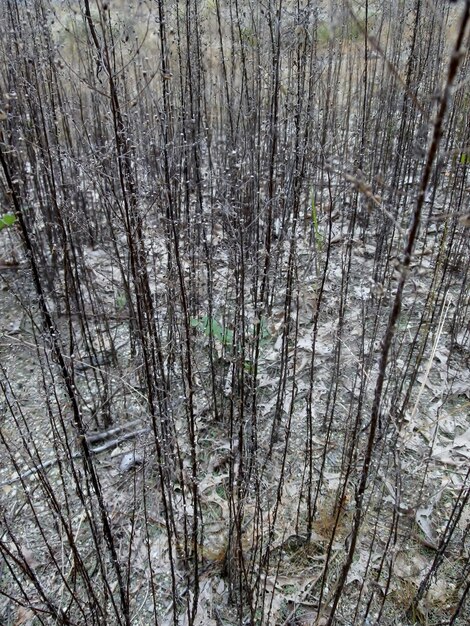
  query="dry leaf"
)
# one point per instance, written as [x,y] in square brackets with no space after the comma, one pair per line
[459,448]
[441,593]
[24,617]
[27,555]
[423,519]
[410,566]
[360,566]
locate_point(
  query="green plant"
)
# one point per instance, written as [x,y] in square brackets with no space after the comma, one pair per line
[264,335]
[316,229]
[211,328]
[6,220]
[120,301]
[323,33]
[248,36]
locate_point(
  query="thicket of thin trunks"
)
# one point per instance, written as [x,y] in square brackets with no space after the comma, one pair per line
[207,154]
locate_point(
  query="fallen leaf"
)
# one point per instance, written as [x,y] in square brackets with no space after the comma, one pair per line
[410,566]
[423,519]
[441,593]
[24,617]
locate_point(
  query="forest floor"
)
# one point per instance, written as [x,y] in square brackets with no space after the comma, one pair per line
[417,472]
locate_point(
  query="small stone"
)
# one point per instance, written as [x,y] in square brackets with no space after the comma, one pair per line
[130,460]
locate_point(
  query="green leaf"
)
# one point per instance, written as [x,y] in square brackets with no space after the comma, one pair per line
[7,220]
[211,327]
[316,229]
[227,338]
[120,301]
[264,334]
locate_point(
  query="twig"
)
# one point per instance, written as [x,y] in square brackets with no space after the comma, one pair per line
[109,444]
[99,436]
[115,442]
